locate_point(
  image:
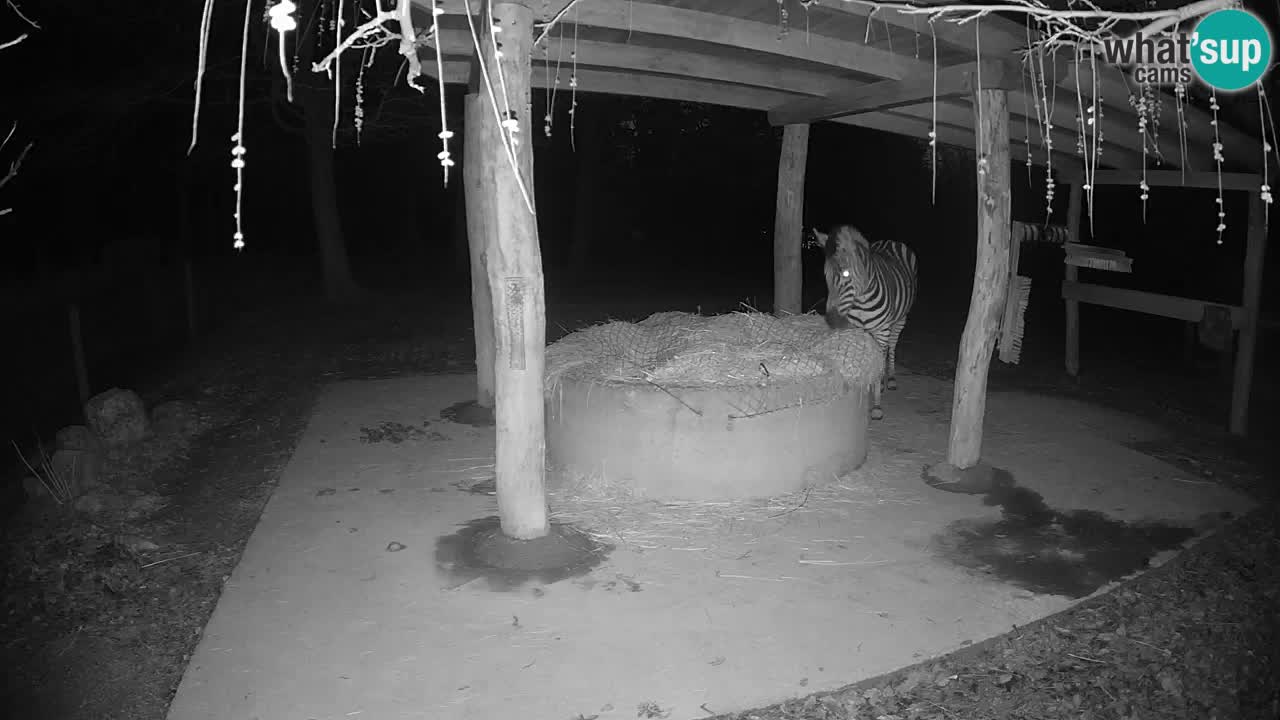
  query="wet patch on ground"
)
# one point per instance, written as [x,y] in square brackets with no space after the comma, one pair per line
[1051,552]
[468,412]
[480,551]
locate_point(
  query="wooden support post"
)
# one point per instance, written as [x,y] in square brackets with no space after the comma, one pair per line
[77,354]
[788,219]
[1073,306]
[477,180]
[990,278]
[1253,262]
[514,266]
[189,295]
[460,231]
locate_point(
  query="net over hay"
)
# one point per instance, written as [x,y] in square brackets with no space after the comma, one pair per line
[675,349]
[688,406]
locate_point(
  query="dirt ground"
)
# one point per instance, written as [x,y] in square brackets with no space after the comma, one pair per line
[92,627]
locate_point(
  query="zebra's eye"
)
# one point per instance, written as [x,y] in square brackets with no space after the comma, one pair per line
[844,273]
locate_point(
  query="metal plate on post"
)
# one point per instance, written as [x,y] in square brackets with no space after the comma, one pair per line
[515,292]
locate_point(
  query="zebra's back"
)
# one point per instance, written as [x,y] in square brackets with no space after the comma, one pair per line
[894,265]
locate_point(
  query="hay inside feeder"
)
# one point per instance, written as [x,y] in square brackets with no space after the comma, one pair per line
[675,349]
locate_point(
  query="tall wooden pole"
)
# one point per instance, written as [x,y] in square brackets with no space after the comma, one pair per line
[788,218]
[990,278]
[1073,306]
[478,186]
[514,265]
[77,354]
[1255,252]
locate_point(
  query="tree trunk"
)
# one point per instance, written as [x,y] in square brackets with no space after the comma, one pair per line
[1251,301]
[461,235]
[788,218]
[990,279]
[1072,272]
[477,174]
[186,242]
[514,265]
[318,118]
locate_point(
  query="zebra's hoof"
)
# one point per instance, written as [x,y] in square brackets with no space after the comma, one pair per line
[891,383]
[877,413]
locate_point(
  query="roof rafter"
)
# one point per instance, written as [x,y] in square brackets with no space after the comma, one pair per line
[592,80]
[954,81]
[707,45]
[1002,37]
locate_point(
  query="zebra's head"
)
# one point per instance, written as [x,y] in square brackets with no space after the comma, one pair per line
[847,258]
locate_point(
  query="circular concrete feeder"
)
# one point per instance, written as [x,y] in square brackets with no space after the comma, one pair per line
[705,443]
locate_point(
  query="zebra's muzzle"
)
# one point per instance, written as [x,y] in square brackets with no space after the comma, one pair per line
[837,321]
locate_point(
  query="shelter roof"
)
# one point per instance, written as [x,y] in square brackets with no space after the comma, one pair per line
[742,53]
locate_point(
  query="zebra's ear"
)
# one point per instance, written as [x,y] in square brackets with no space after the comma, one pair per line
[811,238]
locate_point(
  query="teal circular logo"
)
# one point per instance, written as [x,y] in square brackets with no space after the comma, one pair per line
[1230,49]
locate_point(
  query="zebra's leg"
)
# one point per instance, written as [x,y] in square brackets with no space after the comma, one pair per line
[891,369]
[877,412]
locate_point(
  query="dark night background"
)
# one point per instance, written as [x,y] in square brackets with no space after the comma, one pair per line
[680,197]
[654,206]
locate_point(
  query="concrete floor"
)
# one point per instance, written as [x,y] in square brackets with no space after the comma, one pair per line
[339,608]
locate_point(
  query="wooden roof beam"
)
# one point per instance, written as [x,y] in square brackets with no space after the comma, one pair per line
[950,33]
[683,63]
[695,65]
[959,113]
[671,88]
[643,17]
[1000,38]
[1003,37]
[955,81]
[954,122]
[1248,182]
[894,122]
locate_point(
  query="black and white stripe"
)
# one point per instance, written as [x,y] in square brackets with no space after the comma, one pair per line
[871,286]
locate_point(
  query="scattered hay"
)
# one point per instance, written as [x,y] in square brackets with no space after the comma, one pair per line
[613,513]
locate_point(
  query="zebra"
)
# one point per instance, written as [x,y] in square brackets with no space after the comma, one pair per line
[871,286]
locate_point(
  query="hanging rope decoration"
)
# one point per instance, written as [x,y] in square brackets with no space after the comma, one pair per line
[510,128]
[1264,108]
[1095,124]
[357,113]
[1026,110]
[1140,104]
[1033,60]
[282,21]
[1059,27]
[202,58]
[1217,159]
[444,156]
[237,148]
[573,87]
[982,159]
[554,87]
[1055,27]
[933,132]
